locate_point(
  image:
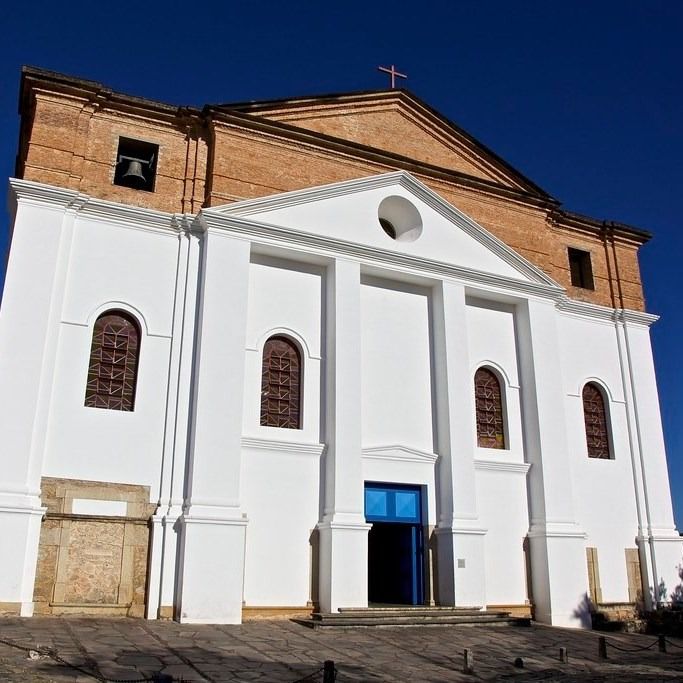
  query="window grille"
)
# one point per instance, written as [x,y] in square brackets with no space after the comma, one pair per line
[281,384]
[595,418]
[489,407]
[112,372]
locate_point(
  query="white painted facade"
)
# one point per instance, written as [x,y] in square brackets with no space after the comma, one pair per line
[391,333]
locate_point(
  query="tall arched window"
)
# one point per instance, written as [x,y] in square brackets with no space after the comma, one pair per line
[595,418]
[281,384]
[113,368]
[489,405]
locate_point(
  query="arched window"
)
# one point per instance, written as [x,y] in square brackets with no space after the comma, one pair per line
[281,384]
[489,405]
[113,368]
[595,418]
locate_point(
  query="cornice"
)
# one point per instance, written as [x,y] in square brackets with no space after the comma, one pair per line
[501,466]
[400,453]
[401,179]
[297,447]
[85,206]
[605,314]
[265,233]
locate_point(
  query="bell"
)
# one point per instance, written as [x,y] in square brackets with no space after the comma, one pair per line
[133,173]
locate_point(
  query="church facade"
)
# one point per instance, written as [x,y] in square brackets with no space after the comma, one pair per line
[318,353]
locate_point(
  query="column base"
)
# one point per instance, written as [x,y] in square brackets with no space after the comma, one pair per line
[460,567]
[19,538]
[212,570]
[343,565]
[559,576]
[162,564]
[667,547]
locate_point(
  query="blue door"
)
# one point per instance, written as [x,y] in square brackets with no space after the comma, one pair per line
[395,544]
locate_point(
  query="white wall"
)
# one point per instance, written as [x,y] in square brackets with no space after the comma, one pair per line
[500,473]
[603,489]
[281,467]
[131,269]
[396,370]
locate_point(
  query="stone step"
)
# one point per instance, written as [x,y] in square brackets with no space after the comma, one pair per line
[410,616]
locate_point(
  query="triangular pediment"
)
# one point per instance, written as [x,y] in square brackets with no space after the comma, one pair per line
[397,122]
[431,234]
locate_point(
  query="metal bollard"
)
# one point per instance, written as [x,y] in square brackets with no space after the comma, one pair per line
[468,661]
[602,647]
[563,655]
[328,671]
[661,642]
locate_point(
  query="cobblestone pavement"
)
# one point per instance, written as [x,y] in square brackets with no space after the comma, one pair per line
[284,652]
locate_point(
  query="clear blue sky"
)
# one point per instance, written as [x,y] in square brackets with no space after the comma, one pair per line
[584,96]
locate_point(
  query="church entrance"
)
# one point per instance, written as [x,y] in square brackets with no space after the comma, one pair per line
[395,544]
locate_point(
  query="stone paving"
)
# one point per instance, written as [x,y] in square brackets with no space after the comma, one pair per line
[283,652]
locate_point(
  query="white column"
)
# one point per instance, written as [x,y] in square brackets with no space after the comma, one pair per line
[212,547]
[343,531]
[557,545]
[659,543]
[29,331]
[161,588]
[460,537]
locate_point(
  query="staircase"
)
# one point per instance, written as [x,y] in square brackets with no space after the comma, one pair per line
[410,616]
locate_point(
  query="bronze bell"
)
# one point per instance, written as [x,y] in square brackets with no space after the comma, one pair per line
[134,172]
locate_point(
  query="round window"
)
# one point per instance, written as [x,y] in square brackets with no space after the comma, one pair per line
[400,219]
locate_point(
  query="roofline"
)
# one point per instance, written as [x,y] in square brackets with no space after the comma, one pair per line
[573,219]
[81,86]
[332,98]
[377,155]
[239,112]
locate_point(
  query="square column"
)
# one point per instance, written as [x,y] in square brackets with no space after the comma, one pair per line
[343,530]
[213,525]
[559,574]
[460,537]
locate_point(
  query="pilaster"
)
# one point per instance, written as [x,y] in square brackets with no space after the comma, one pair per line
[460,537]
[164,548]
[557,544]
[213,525]
[343,530]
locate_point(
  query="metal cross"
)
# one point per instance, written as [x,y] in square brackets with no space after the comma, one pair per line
[393,73]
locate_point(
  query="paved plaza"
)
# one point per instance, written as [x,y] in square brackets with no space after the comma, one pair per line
[87,649]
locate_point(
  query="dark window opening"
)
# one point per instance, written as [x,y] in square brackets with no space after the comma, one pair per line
[136,164]
[281,384]
[580,268]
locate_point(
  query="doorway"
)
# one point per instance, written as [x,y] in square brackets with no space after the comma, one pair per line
[395,544]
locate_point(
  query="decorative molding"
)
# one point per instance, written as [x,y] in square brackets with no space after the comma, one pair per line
[400,453]
[85,206]
[290,238]
[605,314]
[556,530]
[297,447]
[397,178]
[501,466]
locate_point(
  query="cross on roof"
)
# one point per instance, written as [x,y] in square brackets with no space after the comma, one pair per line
[393,73]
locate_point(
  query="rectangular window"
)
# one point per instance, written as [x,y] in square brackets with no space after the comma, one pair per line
[580,268]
